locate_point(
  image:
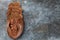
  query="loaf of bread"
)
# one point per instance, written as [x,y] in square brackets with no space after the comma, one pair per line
[15,22]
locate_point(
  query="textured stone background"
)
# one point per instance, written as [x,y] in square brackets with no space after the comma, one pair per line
[42,19]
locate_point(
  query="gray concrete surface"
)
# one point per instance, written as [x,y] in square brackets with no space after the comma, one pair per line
[42,19]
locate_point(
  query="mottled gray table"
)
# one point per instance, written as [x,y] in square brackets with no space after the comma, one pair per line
[42,19]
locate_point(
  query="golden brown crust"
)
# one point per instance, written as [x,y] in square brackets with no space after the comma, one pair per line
[15,20]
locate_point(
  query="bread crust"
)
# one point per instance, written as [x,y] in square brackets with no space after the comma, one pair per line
[15,22]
